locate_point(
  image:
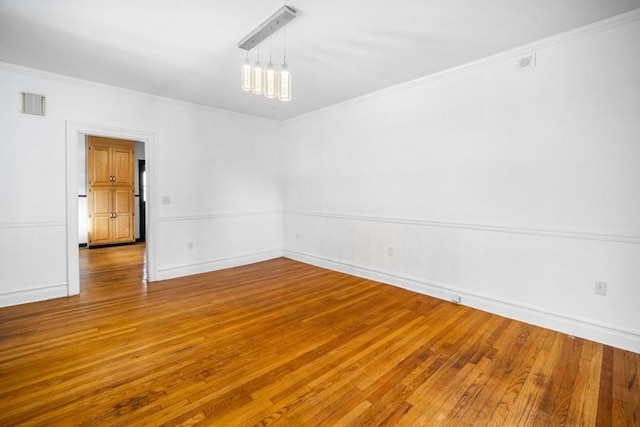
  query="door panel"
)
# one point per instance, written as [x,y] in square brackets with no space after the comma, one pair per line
[123,230]
[123,166]
[123,201]
[100,231]
[123,209]
[99,199]
[98,168]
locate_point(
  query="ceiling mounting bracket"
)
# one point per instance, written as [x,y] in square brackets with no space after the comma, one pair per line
[270,26]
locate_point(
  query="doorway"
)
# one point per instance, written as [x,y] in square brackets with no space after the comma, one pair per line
[114,195]
[75,133]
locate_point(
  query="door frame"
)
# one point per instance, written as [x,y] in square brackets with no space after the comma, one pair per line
[74,130]
[142,208]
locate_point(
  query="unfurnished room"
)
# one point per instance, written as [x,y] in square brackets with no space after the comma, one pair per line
[320,212]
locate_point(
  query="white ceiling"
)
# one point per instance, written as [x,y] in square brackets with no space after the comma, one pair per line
[336,50]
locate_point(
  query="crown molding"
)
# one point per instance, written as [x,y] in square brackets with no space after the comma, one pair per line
[576,33]
[61,78]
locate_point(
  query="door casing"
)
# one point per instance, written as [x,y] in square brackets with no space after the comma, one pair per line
[74,130]
[141,200]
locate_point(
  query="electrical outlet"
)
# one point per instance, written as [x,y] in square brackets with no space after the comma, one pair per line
[389,250]
[297,236]
[600,288]
[456,299]
[190,246]
[166,200]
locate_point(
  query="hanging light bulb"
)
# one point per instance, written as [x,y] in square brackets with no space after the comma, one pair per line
[270,78]
[284,83]
[271,82]
[284,76]
[247,75]
[258,76]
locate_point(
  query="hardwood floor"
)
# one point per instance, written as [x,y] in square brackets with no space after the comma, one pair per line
[284,343]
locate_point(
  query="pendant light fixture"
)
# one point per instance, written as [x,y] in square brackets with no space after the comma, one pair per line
[247,75]
[270,78]
[267,81]
[258,76]
[284,76]
[284,83]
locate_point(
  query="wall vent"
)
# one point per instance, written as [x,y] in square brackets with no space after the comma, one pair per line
[33,104]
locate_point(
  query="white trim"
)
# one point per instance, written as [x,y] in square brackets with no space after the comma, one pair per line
[525,49]
[583,31]
[219,215]
[568,234]
[606,333]
[142,95]
[31,295]
[150,139]
[217,264]
[39,224]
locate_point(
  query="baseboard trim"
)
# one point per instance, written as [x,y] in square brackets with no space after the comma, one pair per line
[33,295]
[605,333]
[86,245]
[217,264]
[111,245]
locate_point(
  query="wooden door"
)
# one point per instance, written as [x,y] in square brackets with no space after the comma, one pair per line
[100,214]
[123,215]
[99,164]
[110,175]
[122,161]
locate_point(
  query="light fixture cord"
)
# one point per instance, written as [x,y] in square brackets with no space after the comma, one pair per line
[284,32]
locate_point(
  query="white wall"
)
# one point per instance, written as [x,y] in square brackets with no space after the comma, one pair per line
[222,172]
[515,189]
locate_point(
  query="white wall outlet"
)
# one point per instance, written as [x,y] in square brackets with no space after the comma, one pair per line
[456,299]
[166,200]
[600,288]
[389,250]
[297,236]
[190,246]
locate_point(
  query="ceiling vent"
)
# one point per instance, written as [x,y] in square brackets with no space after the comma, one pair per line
[33,104]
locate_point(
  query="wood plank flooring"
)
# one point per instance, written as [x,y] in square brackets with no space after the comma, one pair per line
[285,343]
